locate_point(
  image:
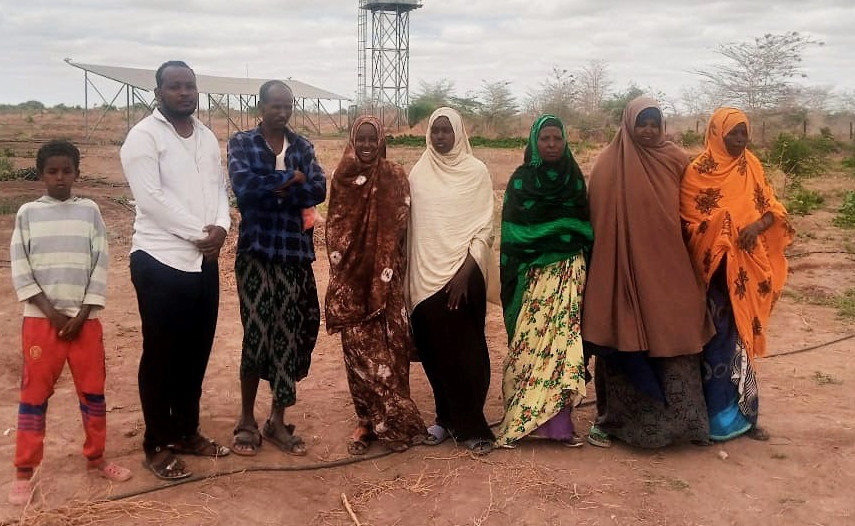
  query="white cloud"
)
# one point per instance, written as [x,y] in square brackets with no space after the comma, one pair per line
[656,42]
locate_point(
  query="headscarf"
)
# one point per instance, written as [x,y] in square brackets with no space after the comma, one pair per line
[544,218]
[365,229]
[641,278]
[721,195]
[452,213]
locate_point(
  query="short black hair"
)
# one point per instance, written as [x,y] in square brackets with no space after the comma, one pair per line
[649,113]
[57,148]
[265,89]
[158,75]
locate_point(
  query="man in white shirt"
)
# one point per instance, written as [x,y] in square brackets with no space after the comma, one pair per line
[174,167]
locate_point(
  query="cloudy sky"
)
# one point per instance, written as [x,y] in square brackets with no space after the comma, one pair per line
[656,43]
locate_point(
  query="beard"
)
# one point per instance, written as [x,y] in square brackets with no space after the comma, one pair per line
[177,111]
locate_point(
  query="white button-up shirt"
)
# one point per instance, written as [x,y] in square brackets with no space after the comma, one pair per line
[179,188]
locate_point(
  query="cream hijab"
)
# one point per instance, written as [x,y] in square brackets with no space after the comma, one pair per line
[451,214]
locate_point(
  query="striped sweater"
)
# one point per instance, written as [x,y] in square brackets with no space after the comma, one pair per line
[60,248]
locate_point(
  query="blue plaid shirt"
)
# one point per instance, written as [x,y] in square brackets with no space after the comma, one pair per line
[270,226]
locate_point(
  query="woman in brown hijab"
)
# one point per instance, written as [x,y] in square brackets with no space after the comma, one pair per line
[644,318]
[366,230]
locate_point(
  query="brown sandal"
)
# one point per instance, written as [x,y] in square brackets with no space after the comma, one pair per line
[291,443]
[246,441]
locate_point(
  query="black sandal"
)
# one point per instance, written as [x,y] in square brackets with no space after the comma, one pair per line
[169,467]
[199,446]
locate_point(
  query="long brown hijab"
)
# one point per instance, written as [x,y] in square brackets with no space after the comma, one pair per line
[642,293]
[365,233]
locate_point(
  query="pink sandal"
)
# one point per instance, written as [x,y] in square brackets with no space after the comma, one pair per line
[21,492]
[113,472]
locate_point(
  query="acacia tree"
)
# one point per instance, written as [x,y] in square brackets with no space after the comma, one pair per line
[557,95]
[614,105]
[594,82]
[496,105]
[430,97]
[759,74]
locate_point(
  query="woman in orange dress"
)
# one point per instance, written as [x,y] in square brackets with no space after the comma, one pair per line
[737,232]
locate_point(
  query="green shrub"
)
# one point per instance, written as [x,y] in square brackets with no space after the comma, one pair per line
[406,140]
[418,141]
[802,202]
[799,158]
[504,142]
[417,111]
[26,174]
[7,169]
[845,304]
[846,216]
[848,162]
[825,143]
[691,138]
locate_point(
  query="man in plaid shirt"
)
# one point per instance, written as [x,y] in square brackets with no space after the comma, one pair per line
[276,178]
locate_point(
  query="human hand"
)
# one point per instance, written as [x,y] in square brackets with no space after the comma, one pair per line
[457,287]
[58,320]
[211,244]
[71,328]
[747,239]
[298,178]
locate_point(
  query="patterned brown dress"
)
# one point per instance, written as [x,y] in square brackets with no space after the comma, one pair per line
[365,233]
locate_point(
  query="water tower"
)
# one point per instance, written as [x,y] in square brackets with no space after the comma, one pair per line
[385,89]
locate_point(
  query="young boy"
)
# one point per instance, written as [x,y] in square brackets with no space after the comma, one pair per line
[59,270]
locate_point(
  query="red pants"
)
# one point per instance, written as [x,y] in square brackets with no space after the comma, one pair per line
[44,357]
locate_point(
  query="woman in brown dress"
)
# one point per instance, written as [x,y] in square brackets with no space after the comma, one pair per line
[645,316]
[366,229]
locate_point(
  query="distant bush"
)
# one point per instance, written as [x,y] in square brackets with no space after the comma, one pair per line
[418,141]
[505,142]
[9,173]
[7,169]
[845,304]
[691,138]
[26,174]
[848,162]
[825,143]
[406,140]
[803,202]
[799,158]
[846,215]
[419,110]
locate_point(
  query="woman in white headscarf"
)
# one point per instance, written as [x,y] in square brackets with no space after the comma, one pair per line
[450,247]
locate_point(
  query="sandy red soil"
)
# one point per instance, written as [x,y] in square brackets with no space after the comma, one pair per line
[803,476]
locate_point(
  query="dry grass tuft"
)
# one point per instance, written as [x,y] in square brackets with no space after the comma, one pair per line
[421,485]
[87,513]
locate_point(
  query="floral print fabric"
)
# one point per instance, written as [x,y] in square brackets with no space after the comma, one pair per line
[544,370]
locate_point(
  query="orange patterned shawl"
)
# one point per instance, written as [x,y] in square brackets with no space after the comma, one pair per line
[720,195]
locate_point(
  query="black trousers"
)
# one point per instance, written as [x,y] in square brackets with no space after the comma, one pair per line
[453,351]
[179,317]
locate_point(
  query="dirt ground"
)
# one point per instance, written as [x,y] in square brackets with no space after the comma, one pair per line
[803,476]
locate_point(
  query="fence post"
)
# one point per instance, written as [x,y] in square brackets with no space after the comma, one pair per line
[851,131]
[763,133]
[804,128]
